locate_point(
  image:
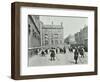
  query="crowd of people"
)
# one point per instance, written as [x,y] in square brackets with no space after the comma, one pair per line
[49,51]
[54,51]
[79,50]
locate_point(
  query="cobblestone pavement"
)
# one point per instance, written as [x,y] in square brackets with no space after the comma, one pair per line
[60,59]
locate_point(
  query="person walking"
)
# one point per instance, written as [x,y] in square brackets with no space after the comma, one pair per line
[81,51]
[64,49]
[52,55]
[43,53]
[56,50]
[76,55]
[46,51]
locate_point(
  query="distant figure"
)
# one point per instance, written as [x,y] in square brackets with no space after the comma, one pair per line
[36,51]
[56,50]
[76,55]
[52,55]
[61,50]
[46,51]
[81,51]
[43,53]
[70,49]
[64,49]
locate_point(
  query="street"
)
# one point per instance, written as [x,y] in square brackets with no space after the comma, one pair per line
[60,59]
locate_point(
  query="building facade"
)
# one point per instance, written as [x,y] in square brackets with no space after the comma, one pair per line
[82,36]
[85,36]
[52,35]
[40,35]
[34,39]
[77,37]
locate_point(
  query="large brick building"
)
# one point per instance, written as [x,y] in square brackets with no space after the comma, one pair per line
[52,35]
[40,35]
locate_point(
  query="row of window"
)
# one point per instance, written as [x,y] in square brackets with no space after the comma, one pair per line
[53,42]
[34,34]
[53,36]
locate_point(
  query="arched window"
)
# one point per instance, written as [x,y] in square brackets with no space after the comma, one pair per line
[52,42]
[46,42]
[56,36]
[34,34]
[56,42]
[60,41]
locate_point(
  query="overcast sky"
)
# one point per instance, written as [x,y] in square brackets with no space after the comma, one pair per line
[71,25]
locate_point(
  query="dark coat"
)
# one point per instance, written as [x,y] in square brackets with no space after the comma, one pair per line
[76,54]
[42,53]
[81,52]
[52,53]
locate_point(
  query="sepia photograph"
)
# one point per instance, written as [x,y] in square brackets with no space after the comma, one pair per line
[57,40]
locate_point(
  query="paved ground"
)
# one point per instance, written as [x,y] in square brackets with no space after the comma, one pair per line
[61,59]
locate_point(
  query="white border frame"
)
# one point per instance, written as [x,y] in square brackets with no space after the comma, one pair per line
[25,70]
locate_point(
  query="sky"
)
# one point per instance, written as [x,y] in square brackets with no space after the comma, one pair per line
[71,25]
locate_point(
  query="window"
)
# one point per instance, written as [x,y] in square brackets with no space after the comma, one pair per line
[29,25]
[34,33]
[29,30]
[60,41]
[46,42]
[56,41]
[46,35]
[33,30]
[55,35]
[52,42]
